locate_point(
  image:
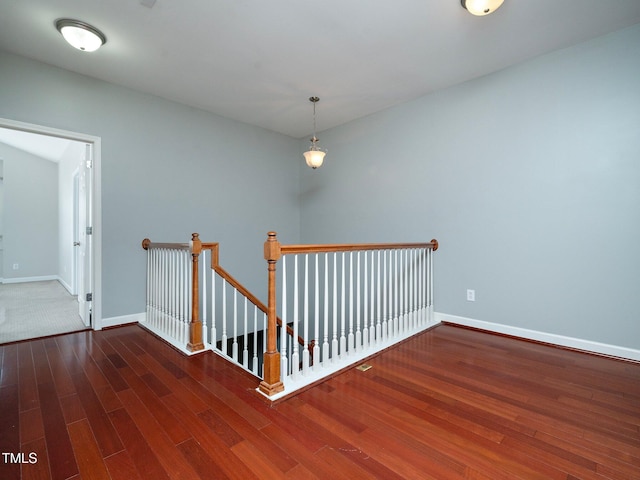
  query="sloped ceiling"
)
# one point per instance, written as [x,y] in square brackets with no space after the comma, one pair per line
[259,61]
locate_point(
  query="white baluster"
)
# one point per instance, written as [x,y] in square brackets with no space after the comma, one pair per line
[255,363]
[176,304]
[295,356]
[305,326]
[384,296]
[316,321]
[186,299]
[372,313]
[264,346]
[284,359]
[325,343]
[343,320]
[407,288]
[178,266]
[419,287]
[161,279]
[245,350]
[189,290]
[223,339]
[334,341]
[410,270]
[157,288]
[396,295]
[402,320]
[150,285]
[169,324]
[166,302]
[203,289]
[365,303]
[358,318]
[234,346]
[392,331]
[175,269]
[379,311]
[214,335]
[351,338]
[430,285]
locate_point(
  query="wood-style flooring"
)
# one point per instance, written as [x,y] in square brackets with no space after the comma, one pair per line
[450,403]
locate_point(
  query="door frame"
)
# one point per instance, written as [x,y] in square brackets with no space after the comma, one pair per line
[96,204]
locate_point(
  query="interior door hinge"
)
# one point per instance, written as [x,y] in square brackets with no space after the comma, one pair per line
[89,297]
[89,231]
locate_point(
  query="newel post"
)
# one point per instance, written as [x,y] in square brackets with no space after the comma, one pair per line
[272,383]
[195,327]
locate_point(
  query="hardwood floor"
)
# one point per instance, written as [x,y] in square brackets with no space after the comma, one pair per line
[449,403]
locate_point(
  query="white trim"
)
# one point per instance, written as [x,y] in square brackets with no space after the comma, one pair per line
[554,339]
[182,347]
[121,320]
[292,385]
[65,285]
[96,214]
[41,278]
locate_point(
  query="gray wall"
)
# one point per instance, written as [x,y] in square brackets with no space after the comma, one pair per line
[529,178]
[30,215]
[167,170]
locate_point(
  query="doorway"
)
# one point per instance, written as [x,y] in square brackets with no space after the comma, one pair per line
[78,240]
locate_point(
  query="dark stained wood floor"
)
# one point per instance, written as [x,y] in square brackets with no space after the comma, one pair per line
[450,403]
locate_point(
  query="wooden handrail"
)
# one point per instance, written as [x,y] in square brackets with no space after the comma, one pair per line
[347,247]
[147,244]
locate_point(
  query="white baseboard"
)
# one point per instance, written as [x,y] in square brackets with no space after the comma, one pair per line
[121,320]
[65,285]
[42,278]
[560,340]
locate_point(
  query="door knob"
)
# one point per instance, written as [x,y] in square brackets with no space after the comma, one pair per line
[76,244]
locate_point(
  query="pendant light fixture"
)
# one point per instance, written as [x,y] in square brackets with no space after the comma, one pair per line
[314,156]
[81,35]
[481,7]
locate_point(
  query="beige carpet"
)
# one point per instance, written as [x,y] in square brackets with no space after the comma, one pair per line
[37,309]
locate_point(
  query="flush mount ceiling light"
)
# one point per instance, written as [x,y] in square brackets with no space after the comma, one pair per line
[314,156]
[81,35]
[481,7]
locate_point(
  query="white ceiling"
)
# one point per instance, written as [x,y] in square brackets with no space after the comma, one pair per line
[259,61]
[45,146]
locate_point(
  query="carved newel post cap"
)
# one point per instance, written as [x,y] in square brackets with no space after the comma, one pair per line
[196,244]
[271,248]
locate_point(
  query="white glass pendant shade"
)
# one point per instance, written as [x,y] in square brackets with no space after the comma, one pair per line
[81,35]
[314,158]
[481,7]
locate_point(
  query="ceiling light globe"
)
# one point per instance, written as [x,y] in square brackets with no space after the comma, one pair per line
[314,158]
[81,35]
[481,7]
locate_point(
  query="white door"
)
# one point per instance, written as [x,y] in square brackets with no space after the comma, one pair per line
[85,232]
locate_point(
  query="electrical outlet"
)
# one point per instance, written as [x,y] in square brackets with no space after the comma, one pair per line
[16,266]
[471,295]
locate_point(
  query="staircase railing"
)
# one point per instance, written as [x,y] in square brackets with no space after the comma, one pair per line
[339,305]
[346,302]
[197,309]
